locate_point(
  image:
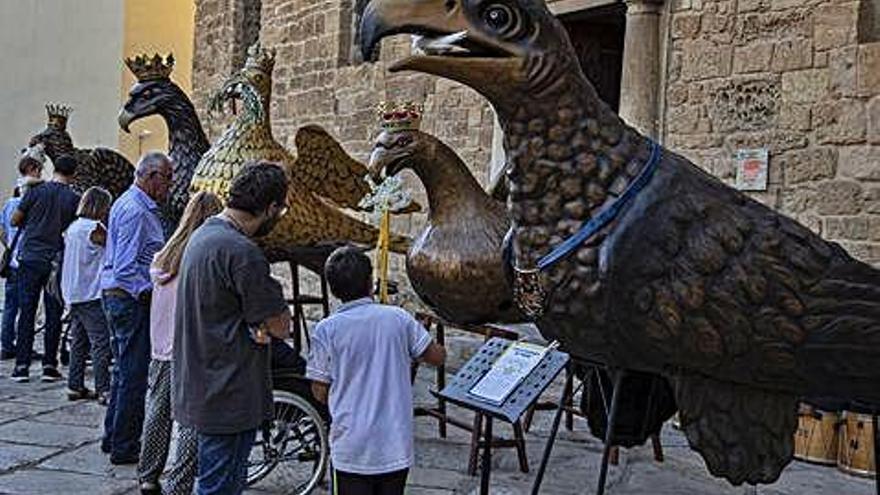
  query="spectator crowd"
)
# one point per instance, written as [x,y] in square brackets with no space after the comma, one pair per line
[179,330]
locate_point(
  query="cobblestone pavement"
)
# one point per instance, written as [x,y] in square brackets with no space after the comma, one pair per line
[49,445]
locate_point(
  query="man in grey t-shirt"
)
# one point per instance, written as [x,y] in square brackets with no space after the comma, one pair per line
[228,306]
[361,358]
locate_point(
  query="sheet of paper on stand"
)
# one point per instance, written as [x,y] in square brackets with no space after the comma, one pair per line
[509,370]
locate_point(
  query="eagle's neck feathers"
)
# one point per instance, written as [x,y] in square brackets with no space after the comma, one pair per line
[449,184]
[569,155]
[187,141]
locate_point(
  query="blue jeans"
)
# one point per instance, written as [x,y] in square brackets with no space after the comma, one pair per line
[32,279]
[129,321]
[10,312]
[223,462]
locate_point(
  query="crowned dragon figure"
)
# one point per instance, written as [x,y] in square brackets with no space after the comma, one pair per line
[454,264]
[632,256]
[323,179]
[95,167]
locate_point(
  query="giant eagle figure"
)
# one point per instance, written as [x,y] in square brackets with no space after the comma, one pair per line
[633,256]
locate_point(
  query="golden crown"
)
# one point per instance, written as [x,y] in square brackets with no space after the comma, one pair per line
[259,58]
[58,115]
[396,117]
[147,68]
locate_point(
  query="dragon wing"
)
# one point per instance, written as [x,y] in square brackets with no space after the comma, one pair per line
[326,169]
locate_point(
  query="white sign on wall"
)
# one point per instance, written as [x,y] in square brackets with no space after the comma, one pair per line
[751,169]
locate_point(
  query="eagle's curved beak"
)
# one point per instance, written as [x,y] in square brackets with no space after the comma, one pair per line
[125,119]
[451,47]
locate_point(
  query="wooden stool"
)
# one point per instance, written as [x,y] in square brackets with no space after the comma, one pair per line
[437,411]
[568,399]
[655,445]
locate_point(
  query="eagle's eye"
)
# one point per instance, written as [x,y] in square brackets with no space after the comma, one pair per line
[503,20]
[497,17]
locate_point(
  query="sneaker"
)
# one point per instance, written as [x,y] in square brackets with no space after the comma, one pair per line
[80,394]
[103,398]
[51,374]
[148,488]
[20,375]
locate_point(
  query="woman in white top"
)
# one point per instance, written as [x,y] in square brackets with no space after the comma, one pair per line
[157,423]
[84,243]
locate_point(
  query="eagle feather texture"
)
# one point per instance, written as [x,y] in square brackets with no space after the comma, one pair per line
[763,308]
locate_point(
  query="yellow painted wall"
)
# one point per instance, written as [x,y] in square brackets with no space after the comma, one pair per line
[152,26]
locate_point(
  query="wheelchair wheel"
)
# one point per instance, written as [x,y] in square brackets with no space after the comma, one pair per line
[292,452]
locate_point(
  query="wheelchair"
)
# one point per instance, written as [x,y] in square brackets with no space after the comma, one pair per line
[291,451]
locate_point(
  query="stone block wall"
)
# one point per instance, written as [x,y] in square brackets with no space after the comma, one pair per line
[790,76]
[318,79]
[794,77]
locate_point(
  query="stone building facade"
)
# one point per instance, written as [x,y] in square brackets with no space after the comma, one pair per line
[799,78]
[705,77]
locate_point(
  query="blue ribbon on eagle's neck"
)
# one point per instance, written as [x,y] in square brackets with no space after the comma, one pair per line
[600,221]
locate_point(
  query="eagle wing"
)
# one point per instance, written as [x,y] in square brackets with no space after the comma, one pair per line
[105,168]
[744,308]
[326,169]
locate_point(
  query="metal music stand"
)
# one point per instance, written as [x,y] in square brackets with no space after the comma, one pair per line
[520,399]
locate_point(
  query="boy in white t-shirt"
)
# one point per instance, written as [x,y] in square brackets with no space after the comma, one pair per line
[360,359]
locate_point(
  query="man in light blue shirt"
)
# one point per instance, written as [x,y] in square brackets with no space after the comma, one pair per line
[360,359]
[134,236]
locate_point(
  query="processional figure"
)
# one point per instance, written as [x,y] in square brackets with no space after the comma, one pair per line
[324,177]
[315,222]
[95,167]
[632,256]
[154,93]
[455,264]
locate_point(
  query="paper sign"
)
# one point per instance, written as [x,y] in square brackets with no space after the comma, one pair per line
[751,170]
[508,371]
